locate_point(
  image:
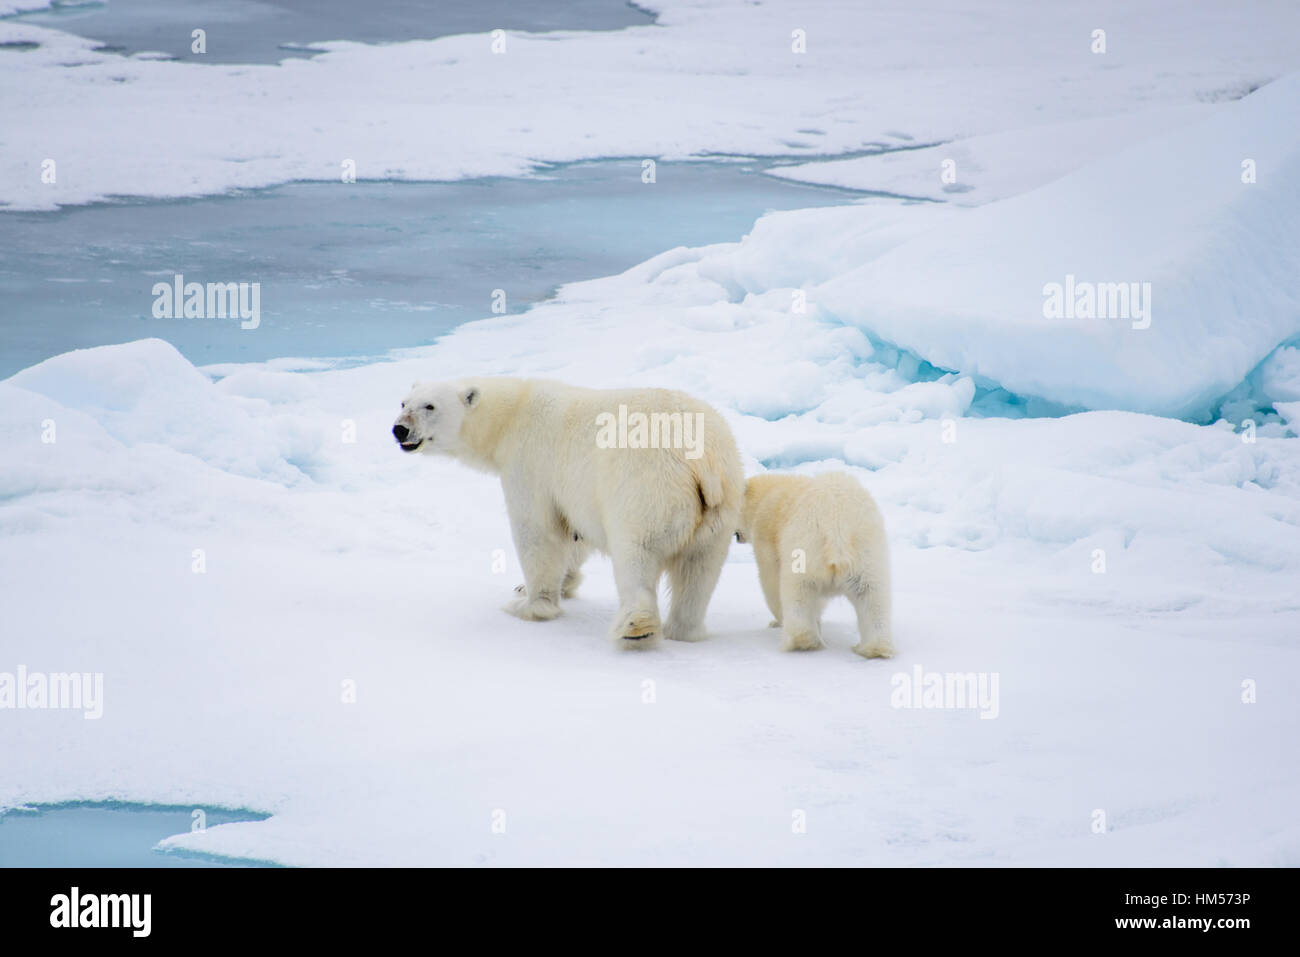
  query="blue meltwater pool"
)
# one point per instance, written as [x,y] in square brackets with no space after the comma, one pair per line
[110,834]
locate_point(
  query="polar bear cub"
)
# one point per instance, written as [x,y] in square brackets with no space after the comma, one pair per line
[650,477]
[815,538]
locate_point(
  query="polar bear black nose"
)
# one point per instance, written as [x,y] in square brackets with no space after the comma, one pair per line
[400,432]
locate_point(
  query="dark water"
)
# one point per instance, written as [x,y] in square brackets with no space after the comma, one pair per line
[107,835]
[254,31]
[357,270]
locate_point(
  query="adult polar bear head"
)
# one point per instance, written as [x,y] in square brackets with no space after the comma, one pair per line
[650,477]
[433,415]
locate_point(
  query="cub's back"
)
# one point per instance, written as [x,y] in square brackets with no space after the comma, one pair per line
[837,522]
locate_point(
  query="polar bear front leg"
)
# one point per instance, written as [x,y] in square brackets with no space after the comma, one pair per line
[577,554]
[543,558]
[636,575]
[572,577]
[769,576]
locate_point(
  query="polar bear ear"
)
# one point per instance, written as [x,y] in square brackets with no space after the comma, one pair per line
[469,397]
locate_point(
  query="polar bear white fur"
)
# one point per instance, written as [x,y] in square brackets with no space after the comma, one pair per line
[661,498]
[815,538]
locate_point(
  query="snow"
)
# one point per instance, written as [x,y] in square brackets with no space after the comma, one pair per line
[716,77]
[1280,374]
[1129,577]
[991,166]
[1173,212]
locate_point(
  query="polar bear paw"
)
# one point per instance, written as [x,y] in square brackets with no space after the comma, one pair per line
[637,629]
[803,640]
[875,649]
[542,608]
[567,590]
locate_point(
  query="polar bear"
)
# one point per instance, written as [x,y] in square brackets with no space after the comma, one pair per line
[815,538]
[650,477]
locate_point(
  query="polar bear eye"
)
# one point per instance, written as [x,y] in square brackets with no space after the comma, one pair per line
[429,407]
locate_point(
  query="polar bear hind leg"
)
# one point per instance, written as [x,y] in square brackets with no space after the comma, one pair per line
[871,601]
[692,576]
[801,606]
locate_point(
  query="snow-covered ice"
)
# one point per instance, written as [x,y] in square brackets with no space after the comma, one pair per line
[1215,255]
[708,77]
[991,166]
[329,562]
